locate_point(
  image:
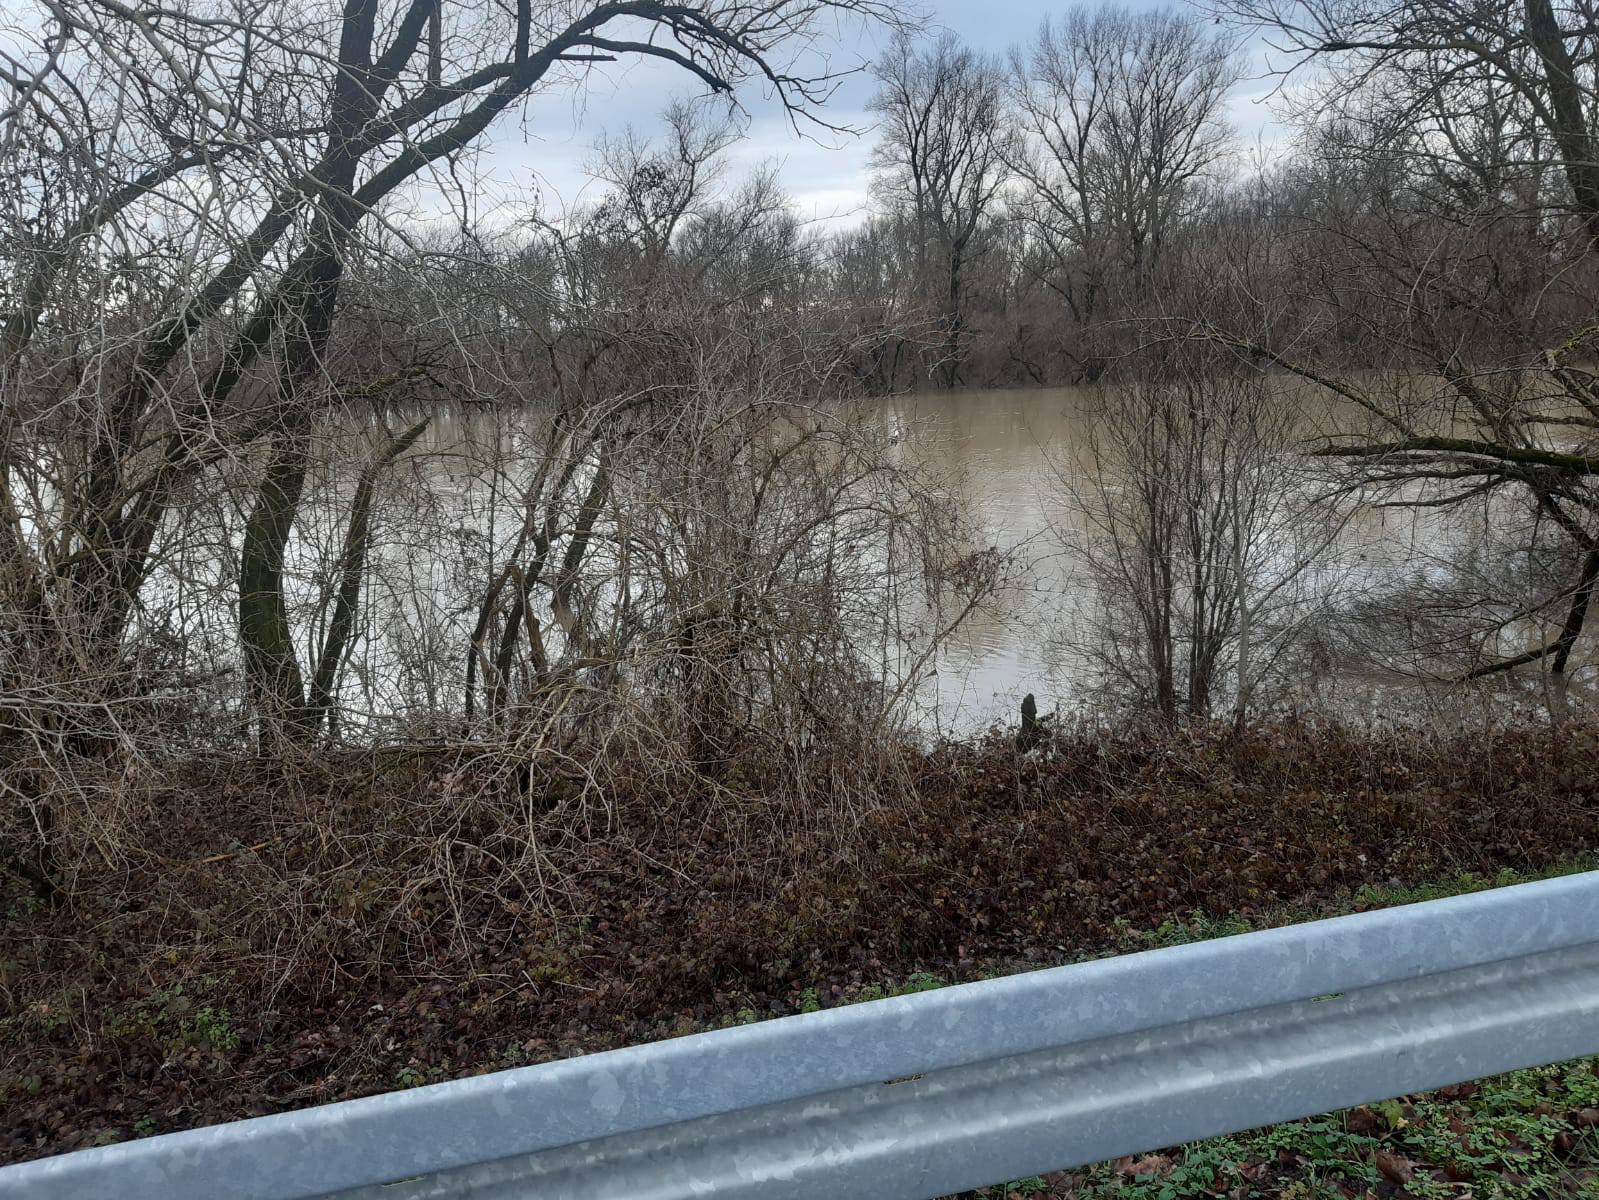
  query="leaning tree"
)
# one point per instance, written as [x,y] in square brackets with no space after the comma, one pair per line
[183,192]
[1448,233]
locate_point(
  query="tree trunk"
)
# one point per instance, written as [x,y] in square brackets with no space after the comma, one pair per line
[352,571]
[1241,697]
[272,668]
[953,322]
[1577,150]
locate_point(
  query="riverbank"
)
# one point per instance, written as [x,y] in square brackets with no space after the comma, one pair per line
[260,939]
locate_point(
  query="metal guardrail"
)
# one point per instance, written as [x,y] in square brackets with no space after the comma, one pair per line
[917,1096]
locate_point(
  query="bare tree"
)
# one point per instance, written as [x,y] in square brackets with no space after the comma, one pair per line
[187,197]
[1525,70]
[1464,267]
[654,189]
[368,115]
[1203,548]
[871,281]
[1123,120]
[942,157]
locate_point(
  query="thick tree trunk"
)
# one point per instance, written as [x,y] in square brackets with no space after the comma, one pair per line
[953,320]
[271,666]
[1566,100]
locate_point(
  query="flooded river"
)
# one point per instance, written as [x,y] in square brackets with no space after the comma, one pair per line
[1011,459]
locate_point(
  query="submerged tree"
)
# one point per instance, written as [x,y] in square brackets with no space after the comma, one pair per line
[1462,266]
[1203,553]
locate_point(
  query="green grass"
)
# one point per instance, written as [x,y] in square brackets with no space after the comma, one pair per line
[1375,896]
[1523,1136]
[1529,1135]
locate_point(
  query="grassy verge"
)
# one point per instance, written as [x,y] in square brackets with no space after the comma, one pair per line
[1529,1135]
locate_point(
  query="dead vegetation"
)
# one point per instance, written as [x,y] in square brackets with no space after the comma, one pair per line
[272,938]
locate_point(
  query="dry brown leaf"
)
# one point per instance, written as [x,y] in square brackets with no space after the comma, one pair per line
[1395,1167]
[1150,1164]
[1362,1120]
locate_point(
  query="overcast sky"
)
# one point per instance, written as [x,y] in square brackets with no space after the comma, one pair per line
[825,173]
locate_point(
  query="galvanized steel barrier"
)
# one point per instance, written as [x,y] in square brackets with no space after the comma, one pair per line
[917,1096]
